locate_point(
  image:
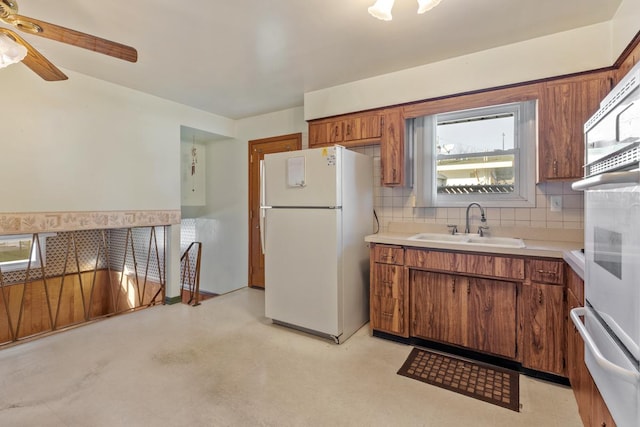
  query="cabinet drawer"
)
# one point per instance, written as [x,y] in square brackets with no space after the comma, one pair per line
[546,271]
[388,281]
[388,254]
[387,314]
[480,265]
[426,259]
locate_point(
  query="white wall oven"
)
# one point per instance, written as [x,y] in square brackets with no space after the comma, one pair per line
[611,328]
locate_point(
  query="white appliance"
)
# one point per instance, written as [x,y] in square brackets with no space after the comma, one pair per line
[317,207]
[611,328]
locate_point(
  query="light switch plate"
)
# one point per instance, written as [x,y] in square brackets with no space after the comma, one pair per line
[555,204]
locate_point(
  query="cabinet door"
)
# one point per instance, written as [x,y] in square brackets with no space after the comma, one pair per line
[600,415]
[438,307]
[389,299]
[577,371]
[363,127]
[543,339]
[325,133]
[492,316]
[392,148]
[565,107]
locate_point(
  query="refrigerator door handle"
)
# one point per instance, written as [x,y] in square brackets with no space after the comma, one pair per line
[263,208]
[618,371]
[263,214]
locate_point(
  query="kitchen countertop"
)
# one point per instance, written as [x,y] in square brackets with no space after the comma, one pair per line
[575,259]
[543,242]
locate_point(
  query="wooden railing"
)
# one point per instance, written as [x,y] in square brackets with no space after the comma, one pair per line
[189,274]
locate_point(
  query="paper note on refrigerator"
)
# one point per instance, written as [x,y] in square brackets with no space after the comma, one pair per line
[296,172]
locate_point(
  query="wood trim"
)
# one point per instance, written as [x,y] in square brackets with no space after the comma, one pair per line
[635,42]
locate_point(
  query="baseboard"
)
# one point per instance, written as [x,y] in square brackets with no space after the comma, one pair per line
[173,300]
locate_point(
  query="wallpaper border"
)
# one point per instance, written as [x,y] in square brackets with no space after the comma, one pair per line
[40,222]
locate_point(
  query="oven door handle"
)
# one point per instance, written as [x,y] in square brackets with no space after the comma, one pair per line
[630,376]
[626,177]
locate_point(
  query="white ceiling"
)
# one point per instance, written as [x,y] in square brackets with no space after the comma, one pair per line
[239,58]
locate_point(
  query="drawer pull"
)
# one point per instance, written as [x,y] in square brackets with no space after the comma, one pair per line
[387,282]
[385,314]
[548,273]
[539,296]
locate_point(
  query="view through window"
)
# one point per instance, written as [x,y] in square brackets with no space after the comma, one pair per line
[476,154]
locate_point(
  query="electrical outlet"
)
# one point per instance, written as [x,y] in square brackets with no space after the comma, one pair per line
[555,203]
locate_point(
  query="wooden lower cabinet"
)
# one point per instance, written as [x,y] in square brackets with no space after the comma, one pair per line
[492,316]
[593,411]
[388,299]
[438,307]
[543,326]
[476,313]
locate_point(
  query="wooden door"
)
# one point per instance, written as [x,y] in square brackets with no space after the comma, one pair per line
[492,316]
[438,307]
[257,149]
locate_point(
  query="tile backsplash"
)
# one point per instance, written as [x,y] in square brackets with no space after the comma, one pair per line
[394,205]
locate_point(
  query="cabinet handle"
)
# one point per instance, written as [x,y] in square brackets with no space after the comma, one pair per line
[539,296]
[555,167]
[548,273]
[348,129]
[468,288]
[387,282]
[453,285]
[385,314]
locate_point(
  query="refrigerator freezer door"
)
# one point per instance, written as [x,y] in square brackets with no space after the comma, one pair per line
[308,178]
[303,268]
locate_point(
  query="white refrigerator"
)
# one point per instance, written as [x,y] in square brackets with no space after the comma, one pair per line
[317,207]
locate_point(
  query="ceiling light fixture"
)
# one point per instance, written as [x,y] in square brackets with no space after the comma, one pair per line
[381,9]
[10,51]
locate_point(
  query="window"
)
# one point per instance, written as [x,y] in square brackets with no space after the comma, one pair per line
[17,250]
[484,155]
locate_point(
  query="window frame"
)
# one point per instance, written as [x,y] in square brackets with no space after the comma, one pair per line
[36,261]
[525,145]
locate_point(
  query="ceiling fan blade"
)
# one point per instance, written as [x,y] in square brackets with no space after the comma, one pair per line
[35,60]
[73,37]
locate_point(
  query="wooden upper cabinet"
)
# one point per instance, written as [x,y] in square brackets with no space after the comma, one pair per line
[363,127]
[565,106]
[325,133]
[392,157]
[350,130]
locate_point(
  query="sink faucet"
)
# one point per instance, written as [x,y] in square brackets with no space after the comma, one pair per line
[483,219]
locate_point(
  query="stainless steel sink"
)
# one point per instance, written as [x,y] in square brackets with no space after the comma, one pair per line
[470,239]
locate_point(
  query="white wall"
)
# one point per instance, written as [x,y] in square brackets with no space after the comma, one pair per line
[88,145]
[568,52]
[222,225]
[624,26]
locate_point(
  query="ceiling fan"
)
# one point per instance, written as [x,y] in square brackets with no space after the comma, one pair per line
[35,60]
